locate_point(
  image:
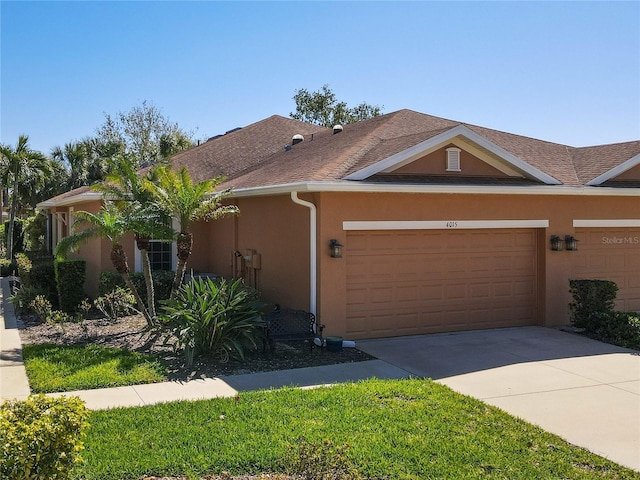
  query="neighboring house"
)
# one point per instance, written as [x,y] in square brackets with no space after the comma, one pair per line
[444,226]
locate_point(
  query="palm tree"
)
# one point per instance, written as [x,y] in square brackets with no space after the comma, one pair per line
[19,165]
[112,223]
[124,185]
[75,156]
[186,201]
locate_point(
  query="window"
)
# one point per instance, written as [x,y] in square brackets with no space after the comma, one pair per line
[160,255]
[453,159]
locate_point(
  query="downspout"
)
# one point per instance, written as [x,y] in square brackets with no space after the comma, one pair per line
[312,250]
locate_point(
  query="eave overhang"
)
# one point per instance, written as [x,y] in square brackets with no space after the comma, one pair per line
[72,200]
[369,187]
[415,152]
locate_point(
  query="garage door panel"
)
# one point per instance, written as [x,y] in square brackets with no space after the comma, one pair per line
[479,291]
[434,281]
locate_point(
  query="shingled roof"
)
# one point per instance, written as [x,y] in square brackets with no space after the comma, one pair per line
[330,158]
[255,156]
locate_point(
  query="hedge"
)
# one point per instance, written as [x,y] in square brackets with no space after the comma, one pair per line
[590,299]
[70,276]
[38,271]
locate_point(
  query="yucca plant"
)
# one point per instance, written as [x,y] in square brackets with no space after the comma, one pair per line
[217,318]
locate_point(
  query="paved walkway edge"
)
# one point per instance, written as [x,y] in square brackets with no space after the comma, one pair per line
[14,384]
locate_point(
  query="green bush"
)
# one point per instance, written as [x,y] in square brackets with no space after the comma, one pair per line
[24,267]
[37,270]
[41,437]
[619,328]
[45,311]
[217,318]
[590,299]
[70,276]
[23,298]
[162,282]
[116,304]
[6,267]
[35,230]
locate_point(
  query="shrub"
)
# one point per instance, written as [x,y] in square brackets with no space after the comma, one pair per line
[45,311]
[70,276]
[37,270]
[590,299]
[24,297]
[116,304]
[24,267]
[35,230]
[217,318]
[41,437]
[321,462]
[162,282]
[619,328]
[6,267]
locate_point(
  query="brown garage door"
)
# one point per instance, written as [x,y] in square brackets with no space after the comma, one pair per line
[611,254]
[425,281]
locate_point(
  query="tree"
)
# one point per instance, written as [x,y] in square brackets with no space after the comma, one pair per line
[113,223]
[322,108]
[49,182]
[145,133]
[176,194]
[18,166]
[86,161]
[125,186]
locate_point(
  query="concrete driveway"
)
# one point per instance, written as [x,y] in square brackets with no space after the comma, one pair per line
[585,391]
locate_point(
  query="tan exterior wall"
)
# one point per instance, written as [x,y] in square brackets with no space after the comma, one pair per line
[554,267]
[275,229]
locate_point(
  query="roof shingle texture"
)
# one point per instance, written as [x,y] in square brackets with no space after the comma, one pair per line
[254,156]
[329,157]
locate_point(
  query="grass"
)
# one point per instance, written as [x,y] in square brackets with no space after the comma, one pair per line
[398,429]
[57,368]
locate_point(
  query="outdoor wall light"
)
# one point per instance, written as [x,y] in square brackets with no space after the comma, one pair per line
[336,248]
[571,243]
[556,243]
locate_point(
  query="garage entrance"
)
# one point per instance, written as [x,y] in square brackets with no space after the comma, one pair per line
[408,282]
[611,254]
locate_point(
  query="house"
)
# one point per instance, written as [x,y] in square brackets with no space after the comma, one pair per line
[443,225]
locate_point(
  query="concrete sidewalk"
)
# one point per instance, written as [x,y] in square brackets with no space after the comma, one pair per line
[13,377]
[15,385]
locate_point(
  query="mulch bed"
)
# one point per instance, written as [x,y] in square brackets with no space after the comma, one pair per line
[130,333]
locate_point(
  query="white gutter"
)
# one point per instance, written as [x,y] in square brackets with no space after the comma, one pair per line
[363,187]
[312,250]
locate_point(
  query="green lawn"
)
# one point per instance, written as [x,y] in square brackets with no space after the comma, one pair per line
[400,429]
[57,368]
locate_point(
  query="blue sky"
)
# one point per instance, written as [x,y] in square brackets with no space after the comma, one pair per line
[567,72]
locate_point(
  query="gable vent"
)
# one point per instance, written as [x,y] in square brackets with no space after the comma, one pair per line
[297,139]
[453,160]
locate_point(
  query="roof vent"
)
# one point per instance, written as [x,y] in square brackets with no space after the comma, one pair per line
[337,129]
[297,138]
